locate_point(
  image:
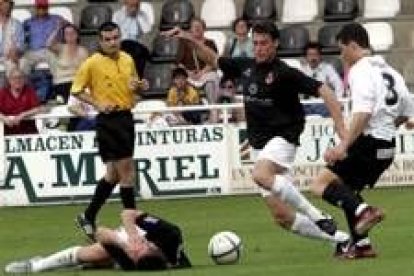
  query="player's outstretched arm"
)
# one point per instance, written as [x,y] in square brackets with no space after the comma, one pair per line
[334,108]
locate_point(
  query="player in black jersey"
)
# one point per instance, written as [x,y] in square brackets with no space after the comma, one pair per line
[275,120]
[143,242]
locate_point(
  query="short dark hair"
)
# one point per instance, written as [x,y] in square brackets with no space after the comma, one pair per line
[107,26]
[313,45]
[179,72]
[354,32]
[267,27]
[227,78]
[238,20]
[154,260]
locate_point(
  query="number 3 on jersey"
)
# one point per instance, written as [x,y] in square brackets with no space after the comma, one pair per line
[392,96]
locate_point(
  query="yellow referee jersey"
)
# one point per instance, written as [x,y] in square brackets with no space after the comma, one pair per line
[107,79]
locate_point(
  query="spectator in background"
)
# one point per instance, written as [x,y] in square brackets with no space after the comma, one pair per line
[65,57]
[314,67]
[18,102]
[182,93]
[134,23]
[227,95]
[11,36]
[201,75]
[38,31]
[241,45]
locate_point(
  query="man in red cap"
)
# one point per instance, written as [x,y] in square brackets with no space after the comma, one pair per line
[40,28]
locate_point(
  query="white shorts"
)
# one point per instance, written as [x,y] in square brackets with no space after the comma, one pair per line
[278,151]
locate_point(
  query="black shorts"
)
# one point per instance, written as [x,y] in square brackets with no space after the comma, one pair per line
[367,159]
[115,135]
[120,257]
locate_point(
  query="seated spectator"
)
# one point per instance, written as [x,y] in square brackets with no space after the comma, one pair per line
[201,75]
[18,102]
[314,67]
[133,23]
[241,45]
[227,96]
[85,113]
[38,31]
[65,57]
[182,93]
[11,36]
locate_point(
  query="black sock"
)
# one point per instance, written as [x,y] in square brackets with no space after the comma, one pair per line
[340,195]
[127,197]
[102,191]
[350,218]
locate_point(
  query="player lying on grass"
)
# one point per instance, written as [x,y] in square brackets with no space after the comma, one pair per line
[143,242]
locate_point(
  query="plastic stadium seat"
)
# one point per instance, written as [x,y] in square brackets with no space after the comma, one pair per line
[90,41]
[293,40]
[65,12]
[259,10]
[92,16]
[21,14]
[340,10]
[374,9]
[336,62]
[408,72]
[159,78]
[381,35]
[218,13]
[327,38]
[219,38]
[164,48]
[176,12]
[298,11]
[293,62]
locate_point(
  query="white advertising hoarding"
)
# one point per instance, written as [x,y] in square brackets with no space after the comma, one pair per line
[65,166]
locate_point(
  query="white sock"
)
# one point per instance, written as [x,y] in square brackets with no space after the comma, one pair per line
[303,226]
[66,257]
[283,187]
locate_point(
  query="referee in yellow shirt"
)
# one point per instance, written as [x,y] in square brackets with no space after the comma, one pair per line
[108,81]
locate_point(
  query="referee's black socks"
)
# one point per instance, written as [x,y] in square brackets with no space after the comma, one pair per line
[127,197]
[340,195]
[102,191]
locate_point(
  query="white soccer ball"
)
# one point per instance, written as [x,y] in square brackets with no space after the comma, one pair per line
[225,247]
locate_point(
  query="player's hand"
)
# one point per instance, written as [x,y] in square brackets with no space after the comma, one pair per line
[107,108]
[134,246]
[334,154]
[136,84]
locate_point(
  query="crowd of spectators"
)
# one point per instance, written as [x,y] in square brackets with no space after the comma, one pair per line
[41,55]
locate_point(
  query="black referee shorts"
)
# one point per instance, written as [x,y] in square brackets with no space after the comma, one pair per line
[115,135]
[367,159]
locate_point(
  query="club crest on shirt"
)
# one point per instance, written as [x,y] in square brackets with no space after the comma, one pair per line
[270,78]
[253,88]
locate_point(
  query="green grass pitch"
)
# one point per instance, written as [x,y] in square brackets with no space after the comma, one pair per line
[268,250]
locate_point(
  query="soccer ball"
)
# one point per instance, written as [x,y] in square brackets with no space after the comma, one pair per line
[225,247]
